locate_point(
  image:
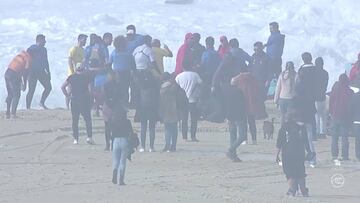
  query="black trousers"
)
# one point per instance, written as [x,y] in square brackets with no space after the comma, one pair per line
[194,117]
[13,87]
[81,107]
[44,80]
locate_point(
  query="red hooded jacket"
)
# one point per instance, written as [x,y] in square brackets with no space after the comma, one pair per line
[181,54]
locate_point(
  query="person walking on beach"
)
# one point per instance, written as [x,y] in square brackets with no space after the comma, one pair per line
[121,130]
[275,48]
[341,115]
[38,71]
[76,56]
[15,80]
[285,89]
[322,79]
[80,101]
[292,142]
[249,86]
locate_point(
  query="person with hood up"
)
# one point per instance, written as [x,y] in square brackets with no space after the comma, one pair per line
[275,48]
[341,115]
[183,50]
[355,73]
[224,47]
[285,89]
[322,79]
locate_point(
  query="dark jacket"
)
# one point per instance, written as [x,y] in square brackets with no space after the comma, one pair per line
[197,51]
[234,103]
[170,107]
[39,59]
[260,67]
[292,140]
[322,80]
[275,45]
[341,100]
[230,67]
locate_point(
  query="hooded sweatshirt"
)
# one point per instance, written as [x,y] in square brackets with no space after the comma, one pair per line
[285,87]
[340,100]
[181,54]
[355,70]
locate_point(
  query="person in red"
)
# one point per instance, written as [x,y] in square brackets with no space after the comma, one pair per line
[183,52]
[224,47]
[15,80]
[355,71]
[254,105]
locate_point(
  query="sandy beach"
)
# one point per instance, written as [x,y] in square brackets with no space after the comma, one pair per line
[39,163]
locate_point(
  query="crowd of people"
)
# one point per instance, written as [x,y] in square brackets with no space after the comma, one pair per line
[227,84]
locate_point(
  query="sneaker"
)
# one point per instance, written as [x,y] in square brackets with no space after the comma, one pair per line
[305,193]
[194,140]
[230,155]
[114,178]
[75,141]
[7,116]
[90,141]
[151,150]
[107,148]
[254,142]
[291,192]
[244,143]
[141,150]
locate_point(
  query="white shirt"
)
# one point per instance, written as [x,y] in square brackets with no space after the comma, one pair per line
[189,82]
[143,56]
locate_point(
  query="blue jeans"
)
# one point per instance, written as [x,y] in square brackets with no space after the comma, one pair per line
[119,155]
[171,133]
[339,129]
[144,125]
[284,105]
[238,132]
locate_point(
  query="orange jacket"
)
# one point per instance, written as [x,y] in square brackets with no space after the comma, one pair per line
[20,62]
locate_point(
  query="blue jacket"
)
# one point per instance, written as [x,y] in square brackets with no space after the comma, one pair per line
[137,41]
[275,45]
[122,61]
[210,61]
[39,59]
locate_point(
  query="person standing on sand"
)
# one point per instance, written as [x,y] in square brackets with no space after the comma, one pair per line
[190,82]
[76,56]
[15,80]
[123,64]
[224,47]
[304,100]
[320,100]
[285,89]
[197,51]
[80,101]
[210,61]
[275,48]
[170,110]
[38,71]
[184,50]
[292,142]
[160,53]
[341,115]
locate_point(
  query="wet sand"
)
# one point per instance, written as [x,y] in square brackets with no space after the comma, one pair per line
[39,163]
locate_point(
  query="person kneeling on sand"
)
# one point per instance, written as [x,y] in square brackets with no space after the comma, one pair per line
[80,101]
[292,142]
